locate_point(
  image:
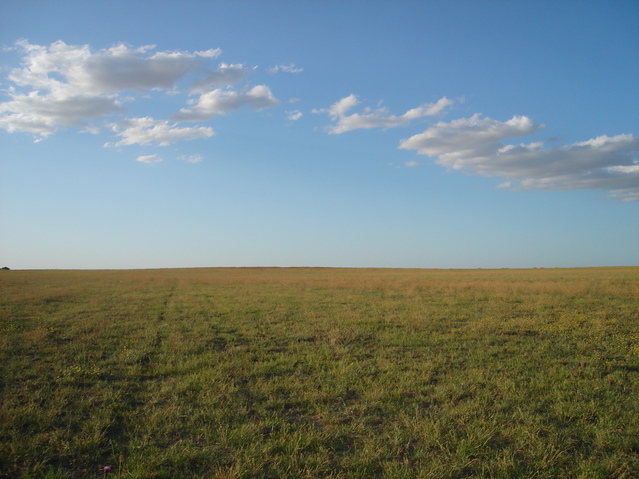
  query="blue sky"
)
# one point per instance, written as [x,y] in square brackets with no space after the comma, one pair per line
[457,134]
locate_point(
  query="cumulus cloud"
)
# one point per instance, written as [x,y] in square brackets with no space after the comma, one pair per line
[467,137]
[59,86]
[219,101]
[142,131]
[476,145]
[149,159]
[108,70]
[44,114]
[294,115]
[376,118]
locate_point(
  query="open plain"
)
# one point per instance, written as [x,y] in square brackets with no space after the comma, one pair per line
[319,372]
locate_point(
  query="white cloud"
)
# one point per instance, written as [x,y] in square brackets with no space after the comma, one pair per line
[340,107]
[219,101]
[291,68]
[467,137]
[108,70]
[61,85]
[44,114]
[142,131]
[294,115]
[475,145]
[191,158]
[376,118]
[224,75]
[410,164]
[210,53]
[149,159]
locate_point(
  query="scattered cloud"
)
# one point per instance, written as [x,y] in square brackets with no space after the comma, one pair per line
[190,158]
[467,137]
[219,101]
[294,115]
[224,75]
[340,107]
[376,118]
[291,68]
[44,114]
[149,159]
[60,66]
[60,86]
[142,131]
[475,145]
[210,53]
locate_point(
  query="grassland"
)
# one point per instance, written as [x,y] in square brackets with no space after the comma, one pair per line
[333,373]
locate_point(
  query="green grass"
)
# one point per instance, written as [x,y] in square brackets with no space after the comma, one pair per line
[334,373]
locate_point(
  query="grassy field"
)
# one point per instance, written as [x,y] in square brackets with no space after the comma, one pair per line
[331,373]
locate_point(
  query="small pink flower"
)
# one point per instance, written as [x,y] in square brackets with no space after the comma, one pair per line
[106,469]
